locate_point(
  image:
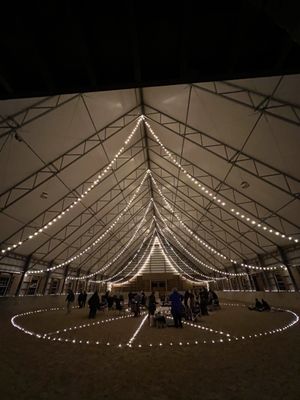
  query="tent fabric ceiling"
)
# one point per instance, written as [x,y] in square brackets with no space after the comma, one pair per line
[239,138]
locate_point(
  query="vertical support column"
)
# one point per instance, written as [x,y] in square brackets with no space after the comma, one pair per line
[46,282]
[25,269]
[250,279]
[228,280]
[266,280]
[47,278]
[65,276]
[237,278]
[77,281]
[286,262]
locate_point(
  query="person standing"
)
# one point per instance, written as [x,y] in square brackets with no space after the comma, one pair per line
[176,308]
[69,299]
[84,296]
[151,308]
[94,304]
[80,299]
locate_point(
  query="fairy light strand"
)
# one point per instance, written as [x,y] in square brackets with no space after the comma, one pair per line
[102,236]
[208,278]
[192,255]
[225,337]
[205,244]
[129,262]
[63,213]
[253,223]
[191,279]
[83,277]
[119,283]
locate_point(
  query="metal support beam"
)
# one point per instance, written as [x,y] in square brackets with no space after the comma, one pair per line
[48,274]
[289,184]
[264,273]
[286,263]
[76,282]
[25,269]
[146,144]
[244,97]
[66,271]
[30,114]
[231,194]
[237,278]
[189,197]
[77,223]
[56,166]
[60,205]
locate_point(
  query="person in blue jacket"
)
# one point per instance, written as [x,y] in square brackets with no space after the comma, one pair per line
[176,307]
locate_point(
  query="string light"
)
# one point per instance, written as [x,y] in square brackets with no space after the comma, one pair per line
[225,336]
[102,236]
[130,262]
[192,255]
[82,196]
[138,272]
[205,244]
[209,278]
[213,196]
[82,277]
[137,331]
[192,279]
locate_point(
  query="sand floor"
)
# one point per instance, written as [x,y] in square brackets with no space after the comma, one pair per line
[265,367]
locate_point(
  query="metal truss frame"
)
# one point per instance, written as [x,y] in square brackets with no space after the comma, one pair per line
[254,259]
[186,260]
[248,98]
[231,194]
[188,241]
[108,240]
[59,164]
[121,265]
[101,143]
[188,245]
[12,123]
[259,169]
[56,208]
[86,236]
[205,254]
[110,247]
[97,230]
[190,197]
[113,245]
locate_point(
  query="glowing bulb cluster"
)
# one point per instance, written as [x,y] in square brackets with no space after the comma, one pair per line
[82,196]
[213,196]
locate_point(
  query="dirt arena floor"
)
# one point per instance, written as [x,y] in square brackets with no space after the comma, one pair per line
[260,367]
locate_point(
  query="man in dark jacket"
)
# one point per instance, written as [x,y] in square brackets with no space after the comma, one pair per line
[94,304]
[176,307]
[70,298]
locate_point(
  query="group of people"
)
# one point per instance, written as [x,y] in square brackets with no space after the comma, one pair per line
[187,306]
[94,301]
[136,301]
[260,306]
[182,306]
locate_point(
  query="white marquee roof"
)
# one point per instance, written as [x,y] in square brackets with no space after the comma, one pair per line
[239,139]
